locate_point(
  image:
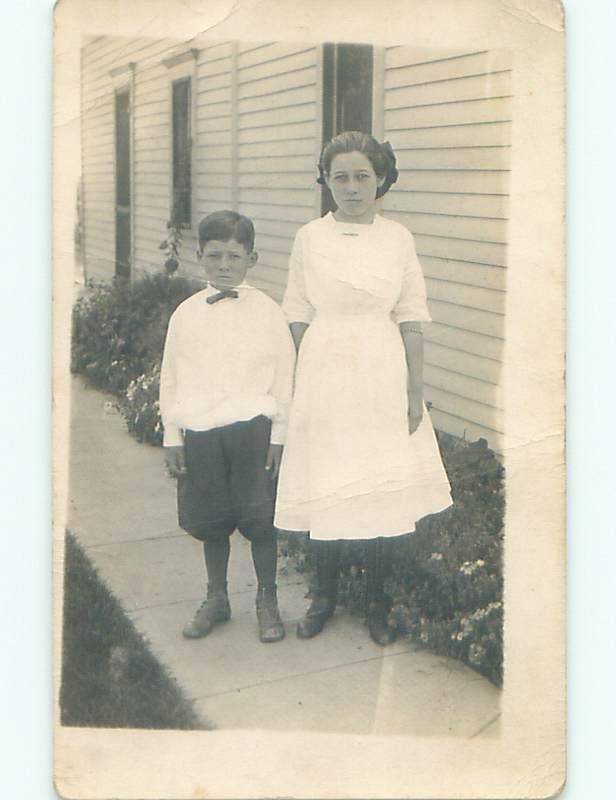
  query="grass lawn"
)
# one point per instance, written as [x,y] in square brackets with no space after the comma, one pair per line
[109,676]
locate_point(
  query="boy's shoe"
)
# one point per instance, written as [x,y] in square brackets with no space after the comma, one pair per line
[382,631]
[271,628]
[211,612]
[319,611]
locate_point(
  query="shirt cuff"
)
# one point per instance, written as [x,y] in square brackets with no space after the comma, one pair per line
[278,434]
[303,315]
[172,436]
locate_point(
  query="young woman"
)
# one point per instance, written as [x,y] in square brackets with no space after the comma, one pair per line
[361,460]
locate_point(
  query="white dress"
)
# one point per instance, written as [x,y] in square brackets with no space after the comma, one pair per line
[350,469]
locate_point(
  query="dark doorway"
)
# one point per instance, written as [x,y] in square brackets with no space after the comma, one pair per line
[122,184]
[347,95]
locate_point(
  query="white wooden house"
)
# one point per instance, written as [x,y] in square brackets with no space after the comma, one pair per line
[207,125]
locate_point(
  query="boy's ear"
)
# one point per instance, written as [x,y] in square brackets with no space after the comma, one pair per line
[254,257]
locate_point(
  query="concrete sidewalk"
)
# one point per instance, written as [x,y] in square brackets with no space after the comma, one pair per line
[122,511]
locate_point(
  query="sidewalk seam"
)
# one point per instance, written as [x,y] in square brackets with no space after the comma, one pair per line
[303,674]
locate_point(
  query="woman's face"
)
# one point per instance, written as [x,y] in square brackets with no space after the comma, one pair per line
[353,184]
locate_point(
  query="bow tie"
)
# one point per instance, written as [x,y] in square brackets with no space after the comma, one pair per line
[214,298]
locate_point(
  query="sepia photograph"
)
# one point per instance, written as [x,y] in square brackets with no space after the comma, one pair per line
[295,451]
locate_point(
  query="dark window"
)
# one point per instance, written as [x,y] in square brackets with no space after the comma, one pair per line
[122,184]
[182,184]
[347,94]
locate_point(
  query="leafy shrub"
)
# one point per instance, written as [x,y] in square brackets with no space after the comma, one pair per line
[119,329]
[447,581]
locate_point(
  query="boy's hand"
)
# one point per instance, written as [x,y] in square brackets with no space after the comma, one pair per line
[175,461]
[272,464]
[416,409]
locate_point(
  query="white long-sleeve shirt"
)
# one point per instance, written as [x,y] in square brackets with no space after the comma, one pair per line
[226,362]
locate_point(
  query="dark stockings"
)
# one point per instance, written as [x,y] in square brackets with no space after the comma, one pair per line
[326,556]
[378,604]
[378,569]
[216,553]
[264,557]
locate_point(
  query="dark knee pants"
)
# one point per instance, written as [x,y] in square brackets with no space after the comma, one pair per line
[226,485]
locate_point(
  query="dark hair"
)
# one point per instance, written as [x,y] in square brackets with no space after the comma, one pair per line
[225,225]
[381,156]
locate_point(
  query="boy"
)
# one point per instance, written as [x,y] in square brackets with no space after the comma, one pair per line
[225,390]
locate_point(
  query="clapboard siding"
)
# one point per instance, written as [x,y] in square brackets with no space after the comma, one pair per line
[472,412]
[277,148]
[458,361]
[461,340]
[214,82]
[256,141]
[273,59]
[473,87]
[97,113]
[463,249]
[467,273]
[452,112]
[460,158]
[485,206]
[152,167]
[463,135]
[448,117]
[276,214]
[492,300]
[460,227]
[212,184]
[456,181]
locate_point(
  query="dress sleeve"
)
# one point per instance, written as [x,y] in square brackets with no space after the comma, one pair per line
[295,303]
[412,305]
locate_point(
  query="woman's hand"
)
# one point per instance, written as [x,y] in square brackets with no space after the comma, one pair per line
[272,463]
[175,461]
[416,409]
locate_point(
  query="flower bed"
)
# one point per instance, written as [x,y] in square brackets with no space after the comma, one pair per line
[448,580]
[140,408]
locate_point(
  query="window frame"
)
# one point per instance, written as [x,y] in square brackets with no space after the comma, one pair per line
[122,80]
[182,67]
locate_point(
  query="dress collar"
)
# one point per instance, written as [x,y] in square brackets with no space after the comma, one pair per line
[352,228]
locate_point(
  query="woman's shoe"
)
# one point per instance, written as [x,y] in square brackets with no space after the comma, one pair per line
[382,630]
[271,628]
[319,611]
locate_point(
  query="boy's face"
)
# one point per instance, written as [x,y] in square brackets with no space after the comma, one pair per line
[226,263]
